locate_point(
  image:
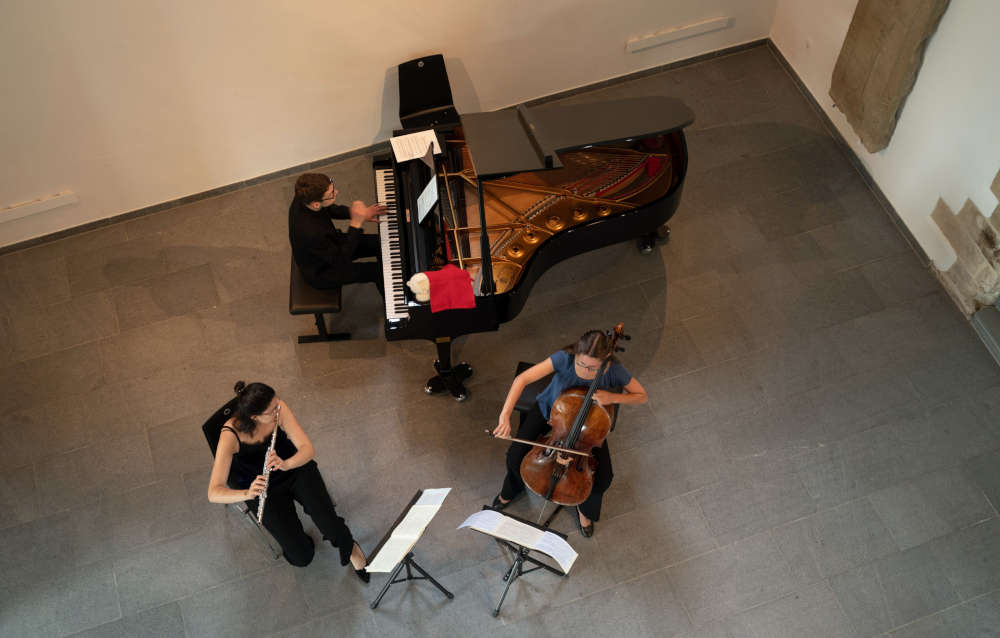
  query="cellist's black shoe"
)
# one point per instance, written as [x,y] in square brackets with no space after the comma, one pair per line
[498,505]
[585,530]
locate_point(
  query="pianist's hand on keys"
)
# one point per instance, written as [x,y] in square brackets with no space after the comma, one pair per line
[361,213]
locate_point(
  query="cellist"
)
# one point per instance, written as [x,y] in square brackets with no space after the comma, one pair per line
[574,365]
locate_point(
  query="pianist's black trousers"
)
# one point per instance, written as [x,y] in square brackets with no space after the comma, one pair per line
[357,272]
[367,271]
[305,485]
[533,427]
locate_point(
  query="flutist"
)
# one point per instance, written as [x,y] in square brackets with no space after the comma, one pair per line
[241,459]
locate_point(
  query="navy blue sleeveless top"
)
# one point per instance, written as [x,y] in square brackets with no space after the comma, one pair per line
[248,462]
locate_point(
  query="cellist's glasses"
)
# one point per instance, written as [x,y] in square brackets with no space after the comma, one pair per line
[586,367]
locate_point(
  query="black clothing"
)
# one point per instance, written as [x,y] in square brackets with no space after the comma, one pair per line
[248,462]
[367,271]
[533,427]
[303,484]
[324,253]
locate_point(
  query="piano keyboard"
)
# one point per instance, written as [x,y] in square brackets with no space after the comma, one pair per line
[392,260]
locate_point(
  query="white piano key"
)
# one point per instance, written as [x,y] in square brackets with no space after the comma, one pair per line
[388,231]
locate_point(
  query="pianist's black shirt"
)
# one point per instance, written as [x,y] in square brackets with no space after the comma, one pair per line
[322,252]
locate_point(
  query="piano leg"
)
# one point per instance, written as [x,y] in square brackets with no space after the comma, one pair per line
[648,241]
[448,378]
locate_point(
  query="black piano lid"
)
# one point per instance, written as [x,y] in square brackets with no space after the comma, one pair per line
[527,139]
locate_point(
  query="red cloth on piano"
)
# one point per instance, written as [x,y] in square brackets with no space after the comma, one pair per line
[451,287]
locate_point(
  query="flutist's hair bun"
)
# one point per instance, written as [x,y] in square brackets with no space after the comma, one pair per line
[252,399]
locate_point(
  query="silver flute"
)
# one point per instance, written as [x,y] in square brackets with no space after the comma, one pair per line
[267,474]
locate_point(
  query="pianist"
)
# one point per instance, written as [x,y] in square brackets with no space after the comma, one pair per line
[326,255]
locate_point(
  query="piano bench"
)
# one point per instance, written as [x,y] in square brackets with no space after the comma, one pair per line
[527,399]
[303,299]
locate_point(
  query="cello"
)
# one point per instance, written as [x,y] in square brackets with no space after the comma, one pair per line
[579,424]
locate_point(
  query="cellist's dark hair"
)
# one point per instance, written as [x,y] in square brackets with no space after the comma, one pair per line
[593,343]
[252,399]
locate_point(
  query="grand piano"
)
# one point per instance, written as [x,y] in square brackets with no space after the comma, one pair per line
[520,190]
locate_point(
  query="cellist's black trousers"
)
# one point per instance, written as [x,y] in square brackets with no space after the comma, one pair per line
[305,485]
[533,427]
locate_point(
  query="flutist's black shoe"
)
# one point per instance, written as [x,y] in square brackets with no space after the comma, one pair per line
[363,572]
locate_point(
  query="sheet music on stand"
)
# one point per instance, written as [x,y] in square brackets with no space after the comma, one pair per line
[393,554]
[407,531]
[496,524]
[522,538]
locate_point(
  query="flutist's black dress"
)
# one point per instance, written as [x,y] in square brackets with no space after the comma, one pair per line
[303,484]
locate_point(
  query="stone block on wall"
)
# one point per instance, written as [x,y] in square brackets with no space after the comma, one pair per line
[973,281]
[879,62]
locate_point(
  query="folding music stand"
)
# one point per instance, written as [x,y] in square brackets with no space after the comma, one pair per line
[407,561]
[521,556]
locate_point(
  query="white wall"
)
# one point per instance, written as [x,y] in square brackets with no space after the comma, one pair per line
[130,104]
[947,140]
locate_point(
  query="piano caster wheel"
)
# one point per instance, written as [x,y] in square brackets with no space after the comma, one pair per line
[462,371]
[450,381]
[647,243]
[435,385]
[662,234]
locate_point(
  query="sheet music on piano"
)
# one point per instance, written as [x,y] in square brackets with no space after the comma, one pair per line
[414,145]
[427,199]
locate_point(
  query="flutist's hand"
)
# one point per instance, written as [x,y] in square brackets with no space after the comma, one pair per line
[274,461]
[256,488]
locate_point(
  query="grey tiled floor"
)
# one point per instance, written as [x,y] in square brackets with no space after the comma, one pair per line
[820,455]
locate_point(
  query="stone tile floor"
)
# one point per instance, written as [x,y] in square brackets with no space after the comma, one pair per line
[820,455]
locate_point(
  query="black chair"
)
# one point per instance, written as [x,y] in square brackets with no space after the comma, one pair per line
[303,299]
[212,428]
[527,399]
[425,93]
